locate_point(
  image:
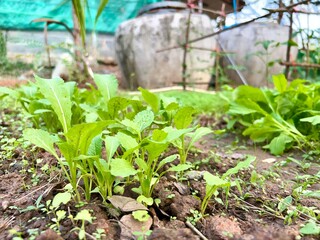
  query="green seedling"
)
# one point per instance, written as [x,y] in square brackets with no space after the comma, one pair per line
[213,183]
[141,215]
[52,207]
[38,206]
[83,216]
[144,147]
[195,217]
[142,235]
[182,119]
[99,234]
[16,235]
[106,171]
[311,228]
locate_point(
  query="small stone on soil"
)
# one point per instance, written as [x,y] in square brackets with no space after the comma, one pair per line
[219,227]
[175,224]
[5,204]
[129,225]
[182,204]
[49,235]
[182,188]
[172,234]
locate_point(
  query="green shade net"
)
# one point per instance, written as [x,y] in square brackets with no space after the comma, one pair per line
[18,14]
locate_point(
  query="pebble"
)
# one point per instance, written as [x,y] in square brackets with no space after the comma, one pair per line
[194,175]
[5,204]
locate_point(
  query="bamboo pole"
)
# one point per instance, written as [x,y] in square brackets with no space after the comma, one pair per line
[286,72]
[185,51]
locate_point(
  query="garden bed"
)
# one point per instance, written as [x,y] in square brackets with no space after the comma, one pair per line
[267,200]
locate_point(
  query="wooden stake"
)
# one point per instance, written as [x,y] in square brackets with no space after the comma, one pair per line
[185,50]
[289,39]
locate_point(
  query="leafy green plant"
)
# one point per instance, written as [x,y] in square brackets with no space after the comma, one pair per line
[136,134]
[213,183]
[278,116]
[142,235]
[106,170]
[56,105]
[52,208]
[198,100]
[195,216]
[99,233]
[145,136]
[145,151]
[41,107]
[83,216]
[76,141]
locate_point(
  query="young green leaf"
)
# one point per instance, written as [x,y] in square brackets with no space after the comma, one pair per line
[142,165]
[179,168]
[147,200]
[107,85]
[61,214]
[131,126]
[284,204]
[169,159]
[144,119]
[174,134]
[280,82]
[117,104]
[95,147]
[312,194]
[141,215]
[60,198]
[71,86]
[126,141]
[314,120]
[102,166]
[84,215]
[122,168]
[311,228]
[240,166]
[58,94]
[245,106]
[278,144]
[249,92]
[4,91]
[67,150]
[112,144]
[212,180]
[81,135]
[184,117]
[155,149]
[198,134]
[151,99]
[159,135]
[41,139]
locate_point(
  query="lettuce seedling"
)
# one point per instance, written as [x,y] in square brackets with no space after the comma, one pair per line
[213,182]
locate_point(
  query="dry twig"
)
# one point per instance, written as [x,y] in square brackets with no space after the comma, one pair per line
[195,230]
[6,223]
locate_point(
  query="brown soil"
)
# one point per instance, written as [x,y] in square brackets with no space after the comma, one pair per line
[243,219]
